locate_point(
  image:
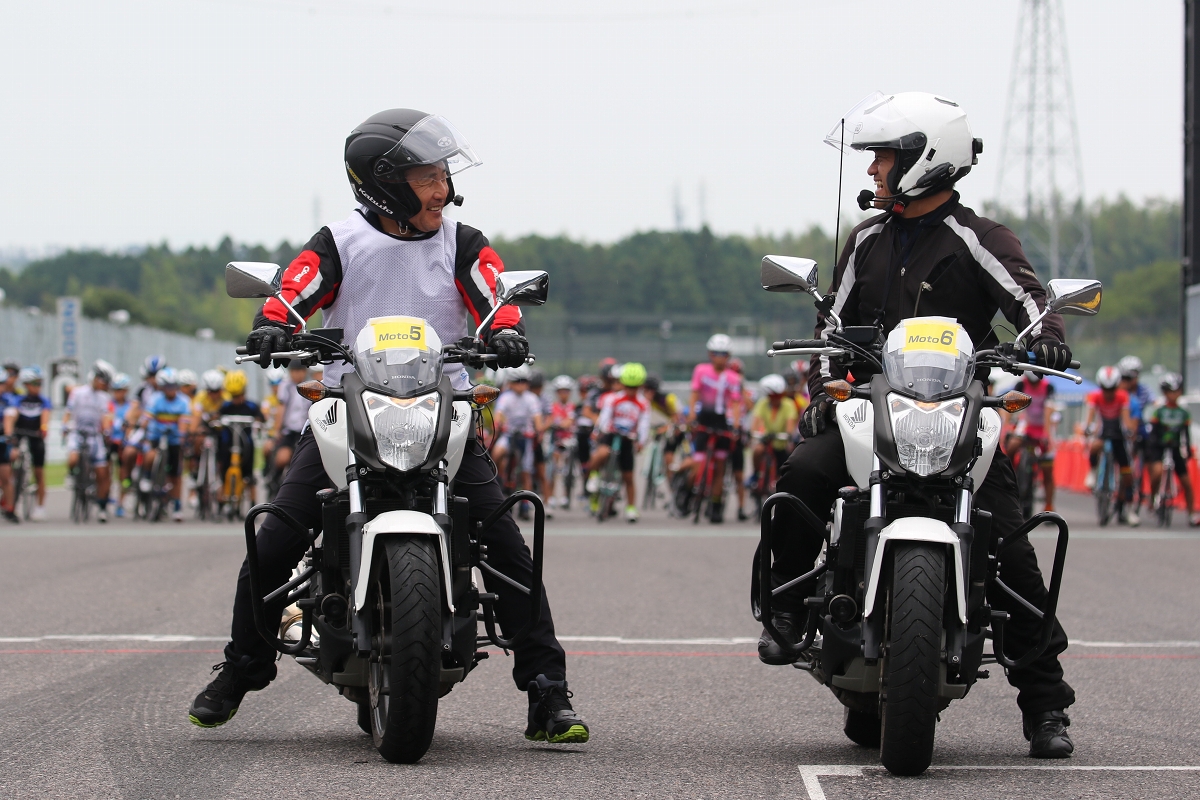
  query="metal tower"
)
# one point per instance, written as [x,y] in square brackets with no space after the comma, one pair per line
[1041,174]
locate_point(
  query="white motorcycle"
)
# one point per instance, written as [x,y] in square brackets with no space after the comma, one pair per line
[384,605]
[897,626]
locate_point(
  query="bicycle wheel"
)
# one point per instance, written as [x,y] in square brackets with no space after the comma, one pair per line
[1104,491]
[20,486]
[80,505]
[568,479]
[609,484]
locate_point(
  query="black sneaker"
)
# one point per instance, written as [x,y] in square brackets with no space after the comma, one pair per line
[551,718]
[769,651]
[219,701]
[12,517]
[1047,734]
[716,514]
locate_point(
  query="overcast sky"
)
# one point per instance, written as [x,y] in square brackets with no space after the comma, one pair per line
[134,121]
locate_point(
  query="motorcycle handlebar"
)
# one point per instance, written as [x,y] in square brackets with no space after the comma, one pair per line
[790,344]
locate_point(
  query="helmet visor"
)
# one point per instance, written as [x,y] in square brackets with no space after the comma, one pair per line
[874,122]
[433,140]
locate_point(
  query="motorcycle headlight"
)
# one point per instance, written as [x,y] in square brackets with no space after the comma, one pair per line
[404,427]
[925,432]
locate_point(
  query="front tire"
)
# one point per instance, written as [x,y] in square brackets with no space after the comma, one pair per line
[911,666]
[404,674]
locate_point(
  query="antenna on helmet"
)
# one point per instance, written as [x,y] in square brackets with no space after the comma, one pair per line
[837,228]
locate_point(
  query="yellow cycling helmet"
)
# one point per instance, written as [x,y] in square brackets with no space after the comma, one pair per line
[633,375]
[235,382]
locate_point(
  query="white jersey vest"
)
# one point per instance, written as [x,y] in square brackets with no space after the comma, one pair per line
[382,276]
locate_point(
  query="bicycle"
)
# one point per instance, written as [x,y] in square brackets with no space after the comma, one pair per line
[208,481]
[562,464]
[766,469]
[154,489]
[1027,465]
[702,489]
[1106,484]
[610,482]
[83,493]
[24,481]
[1168,490]
[234,485]
[656,472]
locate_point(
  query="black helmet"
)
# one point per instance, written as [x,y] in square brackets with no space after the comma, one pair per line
[653,382]
[537,379]
[381,149]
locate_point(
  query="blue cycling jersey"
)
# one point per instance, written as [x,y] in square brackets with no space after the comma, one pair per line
[165,415]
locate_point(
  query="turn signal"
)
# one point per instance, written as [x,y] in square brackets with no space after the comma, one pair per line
[312,390]
[1015,401]
[483,394]
[839,390]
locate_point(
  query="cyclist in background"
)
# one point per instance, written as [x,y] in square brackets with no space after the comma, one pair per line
[737,458]
[1039,427]
[238,405]
[187,383]
[716,400]
[518,413]
[1169,425]
[666,416]
[87,420]
[290,416]
[150,369]
[118,436]
[589,385]
[1108,410]
[1140,401]
[167,414]
[8,399]
[799,369]
[624,415]
[774,413]
[270,411]
[31,421]
[561,418]
[537,387]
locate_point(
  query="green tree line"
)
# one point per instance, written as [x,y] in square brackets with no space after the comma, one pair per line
[1136,247]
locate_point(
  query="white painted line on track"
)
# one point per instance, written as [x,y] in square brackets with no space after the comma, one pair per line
[812,773]
[115,637]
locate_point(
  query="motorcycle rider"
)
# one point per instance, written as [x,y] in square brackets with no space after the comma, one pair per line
[396,254]
[926,254]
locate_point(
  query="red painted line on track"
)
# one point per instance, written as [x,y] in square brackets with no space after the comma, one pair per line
[658,654]
[114,651]
[1129,655]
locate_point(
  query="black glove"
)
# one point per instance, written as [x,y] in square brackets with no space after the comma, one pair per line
[816,415]
[269,337]
[510,347]
[1051,353]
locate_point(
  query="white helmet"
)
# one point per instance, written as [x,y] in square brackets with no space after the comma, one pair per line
[103,370]
[773,384]
[520,373]
[1108,377]
[275,375]
[563,382]
[1130,366]
[719,343]
[213,380]
[930,134]
[187,377]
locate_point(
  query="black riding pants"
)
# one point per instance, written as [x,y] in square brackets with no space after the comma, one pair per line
[816,470]
[280,549]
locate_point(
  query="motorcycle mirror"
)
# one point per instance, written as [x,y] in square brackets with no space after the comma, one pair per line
[789,274]
[252,279]
[528,287]
[1075,296]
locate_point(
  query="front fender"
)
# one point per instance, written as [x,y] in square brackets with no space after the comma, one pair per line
[916,529]
[400,523]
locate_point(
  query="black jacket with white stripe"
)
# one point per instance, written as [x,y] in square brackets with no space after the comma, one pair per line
[950,262]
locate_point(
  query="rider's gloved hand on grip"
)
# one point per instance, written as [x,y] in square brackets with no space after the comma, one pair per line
[1052,353]
[269,337]
[816,416]
[510,347]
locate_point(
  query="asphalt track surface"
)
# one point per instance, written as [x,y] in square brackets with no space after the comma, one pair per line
[107,633]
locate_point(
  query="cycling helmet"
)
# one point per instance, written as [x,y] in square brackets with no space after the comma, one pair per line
[633,375]
[800,367]
[381,149]
[773,384]
[235,382]
[167,377]
[152,365]
[611,372]
[30,374]
[736,365]
[12,366]
[930,134]
[187,377]
[1130,366]
[120,381]
[275,375]
[653,383]
[1171,382]
[520,373]
[587,383]
[563,382]
[537,379]
[213,380]
[103,370]
[718,343]
[1108,377]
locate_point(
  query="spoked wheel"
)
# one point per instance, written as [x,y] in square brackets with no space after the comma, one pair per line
[911,664]
[405,668]
[569,481]
[80,507]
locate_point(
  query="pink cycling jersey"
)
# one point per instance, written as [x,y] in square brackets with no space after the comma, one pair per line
[716,392]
